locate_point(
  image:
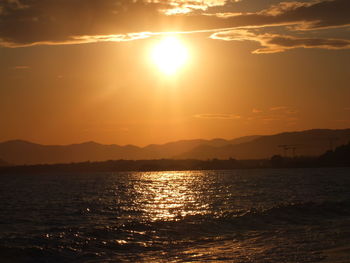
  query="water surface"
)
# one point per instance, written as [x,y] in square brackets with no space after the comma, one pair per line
[287,215]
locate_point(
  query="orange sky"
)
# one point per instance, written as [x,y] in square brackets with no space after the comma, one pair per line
[278,73]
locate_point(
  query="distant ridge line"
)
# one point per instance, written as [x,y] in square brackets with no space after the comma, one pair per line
[308,143]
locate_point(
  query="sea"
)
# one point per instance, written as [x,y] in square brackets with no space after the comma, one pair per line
[252,215]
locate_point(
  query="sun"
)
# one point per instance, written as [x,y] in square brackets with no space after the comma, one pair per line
[169,55]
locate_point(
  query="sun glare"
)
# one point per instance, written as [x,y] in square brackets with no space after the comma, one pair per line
[169,55]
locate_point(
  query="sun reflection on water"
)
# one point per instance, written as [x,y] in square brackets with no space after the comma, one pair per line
[169,195]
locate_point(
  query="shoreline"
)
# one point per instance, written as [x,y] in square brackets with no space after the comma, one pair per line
[168,165]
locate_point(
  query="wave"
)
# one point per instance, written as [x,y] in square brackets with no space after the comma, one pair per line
[84,244]
[308,213]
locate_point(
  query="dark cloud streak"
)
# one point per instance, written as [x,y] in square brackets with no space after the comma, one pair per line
[33,22]
[305,15]
[273,43]
[62,21]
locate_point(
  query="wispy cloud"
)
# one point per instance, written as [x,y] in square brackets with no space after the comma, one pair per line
[284,7]
[188,6]
[112,38]
[20,67]
[256,111]
[283,114]
[274,114]
[91,39]
[271,119]
[218,116]
[303,15]
[278,108]
[273,43]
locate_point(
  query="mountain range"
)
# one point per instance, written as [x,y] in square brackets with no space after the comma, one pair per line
[302,143]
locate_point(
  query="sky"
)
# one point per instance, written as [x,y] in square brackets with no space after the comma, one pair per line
[82,70]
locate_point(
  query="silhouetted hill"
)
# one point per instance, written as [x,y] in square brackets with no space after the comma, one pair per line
[307,143]
[172,149]
[23,152]
[340,157]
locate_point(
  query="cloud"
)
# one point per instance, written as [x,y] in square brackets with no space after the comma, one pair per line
[21,67]
[280,118]
[88,39]
[186,6]
[273,114]
[278,108]
[273,43]
[284,7]
[315,14]
[256,111]
[292,111]
[284,109]
[72,21]
[276,113]
[218,116]
[111,38]
[32,22]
